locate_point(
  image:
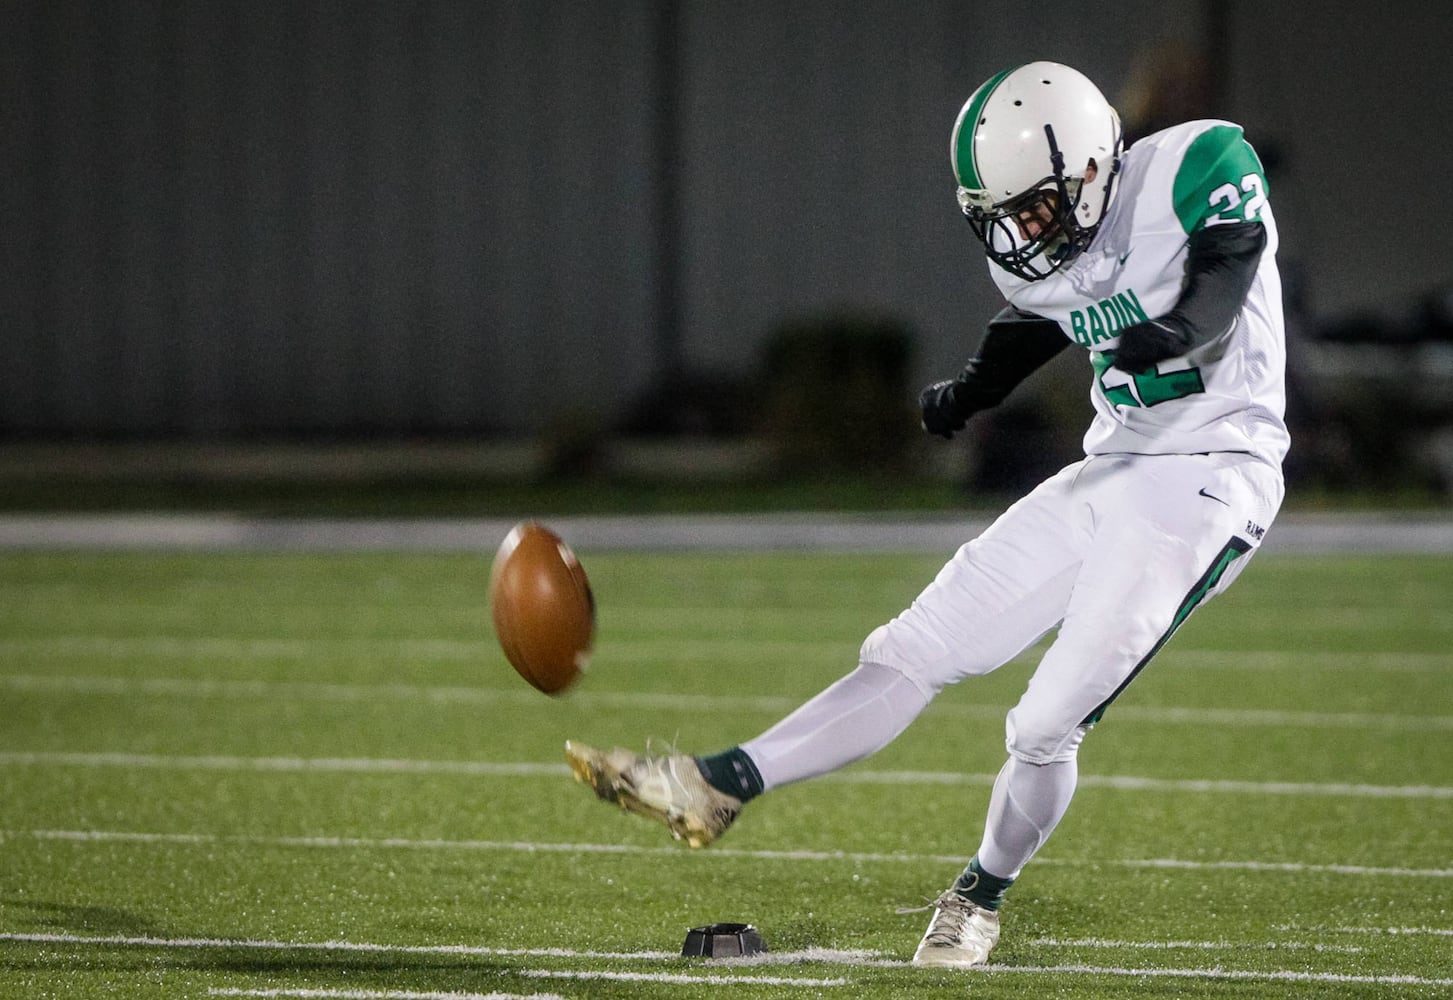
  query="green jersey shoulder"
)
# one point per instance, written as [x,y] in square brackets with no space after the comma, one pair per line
[1220,180]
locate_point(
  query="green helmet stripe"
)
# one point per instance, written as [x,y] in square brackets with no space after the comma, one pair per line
[965,168]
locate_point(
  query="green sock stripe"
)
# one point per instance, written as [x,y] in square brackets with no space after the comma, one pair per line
[750,778]
[979,886]
[732,772]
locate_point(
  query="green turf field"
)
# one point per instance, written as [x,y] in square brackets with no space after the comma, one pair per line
[316,775]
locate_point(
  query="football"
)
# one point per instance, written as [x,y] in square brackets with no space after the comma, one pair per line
[544,612]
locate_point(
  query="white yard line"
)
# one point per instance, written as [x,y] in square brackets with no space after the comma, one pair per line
[1282,719]
[848,959]
[1290,867]
[1312,661]
[1124,782]
[1279,975]
[255,944]
[533,847]
[1394,931]
[1239,946]
[308,994]
[1411,931]
[200,688]
[113,941]
[185,687]
[371,765]
[355,765]
[681,979]
[232,648]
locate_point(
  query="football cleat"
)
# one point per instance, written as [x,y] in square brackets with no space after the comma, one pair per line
[667,788]
[960,935]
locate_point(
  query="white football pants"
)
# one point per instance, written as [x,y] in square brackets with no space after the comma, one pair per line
[1115,549]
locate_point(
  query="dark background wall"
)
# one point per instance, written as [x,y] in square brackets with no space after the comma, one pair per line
[233,218]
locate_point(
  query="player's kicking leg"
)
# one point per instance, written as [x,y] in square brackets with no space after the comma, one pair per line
[699,797]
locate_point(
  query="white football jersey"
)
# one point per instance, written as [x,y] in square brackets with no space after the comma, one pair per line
[1227,396]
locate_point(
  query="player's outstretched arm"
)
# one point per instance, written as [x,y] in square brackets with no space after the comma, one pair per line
[1015,345]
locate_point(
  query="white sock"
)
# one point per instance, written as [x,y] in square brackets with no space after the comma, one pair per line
[1026,804]
[857,716]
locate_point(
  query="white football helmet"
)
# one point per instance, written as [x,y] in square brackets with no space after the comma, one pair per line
[1038,143]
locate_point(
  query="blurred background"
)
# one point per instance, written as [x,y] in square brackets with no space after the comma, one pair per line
[466,250]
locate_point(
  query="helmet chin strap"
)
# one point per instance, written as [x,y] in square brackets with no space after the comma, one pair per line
[1059,248]
[1057,163]
[1056,158]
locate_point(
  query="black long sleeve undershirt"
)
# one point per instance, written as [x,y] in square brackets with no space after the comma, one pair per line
[1015,345]
[1221,264]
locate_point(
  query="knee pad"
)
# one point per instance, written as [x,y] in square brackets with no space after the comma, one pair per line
[899,647]
[1041,744]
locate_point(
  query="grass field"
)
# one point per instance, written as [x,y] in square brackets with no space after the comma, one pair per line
[315,775]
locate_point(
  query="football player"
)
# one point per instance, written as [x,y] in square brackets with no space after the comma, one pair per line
[1159,262]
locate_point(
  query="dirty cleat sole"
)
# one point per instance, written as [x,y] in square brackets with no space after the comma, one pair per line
[668,789]
[594,768]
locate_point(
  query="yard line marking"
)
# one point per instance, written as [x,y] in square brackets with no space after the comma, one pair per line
[1267,659]
[1275,975]
[640,700]
[375,765]
[831,956]
[1411,931]
[1241,946]
[1286,866]
[193,688]
[120,940]
[186,687]
[222,647]
[361,946]
[1134,783]
[1437,931]
[377,994]
[364,765]
[681,979]
[1283,718]
[531,847]
[226,647]
[214,648]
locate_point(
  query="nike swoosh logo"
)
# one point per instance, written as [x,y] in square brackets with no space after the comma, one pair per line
[1202,492]
[1124,255]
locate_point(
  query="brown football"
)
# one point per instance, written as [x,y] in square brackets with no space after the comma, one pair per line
[544,612]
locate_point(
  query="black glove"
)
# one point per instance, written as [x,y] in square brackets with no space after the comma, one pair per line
[1146,343]
[944,406]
